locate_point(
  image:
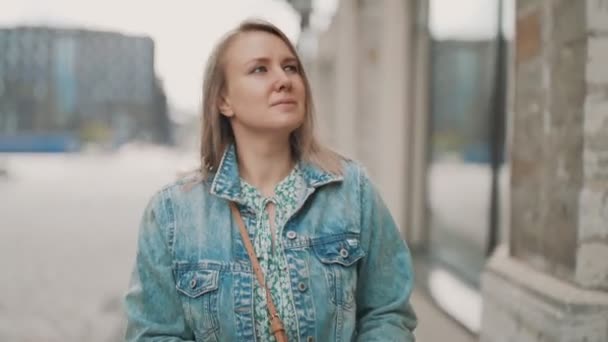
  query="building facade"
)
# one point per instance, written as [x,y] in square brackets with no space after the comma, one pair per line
[490,153]
[101,85]
[549,281]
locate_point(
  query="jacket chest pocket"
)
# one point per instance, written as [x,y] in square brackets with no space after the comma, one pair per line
[199,293]
[339,258]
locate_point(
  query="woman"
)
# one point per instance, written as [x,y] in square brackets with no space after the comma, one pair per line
[332,266]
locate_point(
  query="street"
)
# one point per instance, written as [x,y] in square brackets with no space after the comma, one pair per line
[67,242]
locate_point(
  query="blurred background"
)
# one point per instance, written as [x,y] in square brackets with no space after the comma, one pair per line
[489,147]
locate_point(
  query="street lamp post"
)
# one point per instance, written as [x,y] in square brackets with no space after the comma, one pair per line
[304,7]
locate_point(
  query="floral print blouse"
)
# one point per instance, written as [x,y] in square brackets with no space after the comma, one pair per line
[270,254]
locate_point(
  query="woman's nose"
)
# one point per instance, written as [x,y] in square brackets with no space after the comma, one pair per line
[283,81]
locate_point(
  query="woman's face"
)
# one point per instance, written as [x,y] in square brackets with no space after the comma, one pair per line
[264,90]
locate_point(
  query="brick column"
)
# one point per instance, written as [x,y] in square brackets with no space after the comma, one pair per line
[551,282]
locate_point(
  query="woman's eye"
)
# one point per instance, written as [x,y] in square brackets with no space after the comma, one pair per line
[259,69]
[291,68]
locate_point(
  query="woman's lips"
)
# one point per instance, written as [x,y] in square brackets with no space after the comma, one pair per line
[285,102]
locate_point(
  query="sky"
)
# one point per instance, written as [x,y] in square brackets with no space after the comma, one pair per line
[185,31]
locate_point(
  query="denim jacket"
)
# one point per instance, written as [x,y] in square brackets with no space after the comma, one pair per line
[350,271]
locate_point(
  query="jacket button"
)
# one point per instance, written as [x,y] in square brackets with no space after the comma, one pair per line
[291,235]
[302,287]
[193,283]
[344,253]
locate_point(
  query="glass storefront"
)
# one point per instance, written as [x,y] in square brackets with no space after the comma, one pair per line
[467,92]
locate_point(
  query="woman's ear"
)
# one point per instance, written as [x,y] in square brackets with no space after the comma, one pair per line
[225,107]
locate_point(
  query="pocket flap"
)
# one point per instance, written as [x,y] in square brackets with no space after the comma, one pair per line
[344,251]
[194,283]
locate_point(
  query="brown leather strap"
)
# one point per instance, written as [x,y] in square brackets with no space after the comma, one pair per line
[276,325]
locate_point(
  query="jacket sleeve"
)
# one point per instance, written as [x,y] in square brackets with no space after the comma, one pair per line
[153,309]
[385,282]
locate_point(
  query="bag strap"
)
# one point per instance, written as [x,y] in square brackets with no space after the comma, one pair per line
[276,325]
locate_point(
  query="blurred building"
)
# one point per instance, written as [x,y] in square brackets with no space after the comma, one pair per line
[100,86]
[491,153]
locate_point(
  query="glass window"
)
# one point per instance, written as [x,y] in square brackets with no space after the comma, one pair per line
[463,137]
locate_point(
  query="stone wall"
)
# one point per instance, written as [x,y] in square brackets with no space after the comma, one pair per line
[551,283]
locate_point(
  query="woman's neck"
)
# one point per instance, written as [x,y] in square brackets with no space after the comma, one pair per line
[264,163]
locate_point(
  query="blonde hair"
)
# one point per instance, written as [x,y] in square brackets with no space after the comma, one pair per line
[216,132]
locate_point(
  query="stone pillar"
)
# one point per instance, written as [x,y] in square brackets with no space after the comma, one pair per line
[336,84]
[592,254]
[383,128]
[363,90]
[551,282]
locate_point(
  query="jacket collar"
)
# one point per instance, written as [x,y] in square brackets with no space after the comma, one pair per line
[226,182]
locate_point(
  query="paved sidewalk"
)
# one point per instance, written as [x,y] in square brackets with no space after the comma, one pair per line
[434,325]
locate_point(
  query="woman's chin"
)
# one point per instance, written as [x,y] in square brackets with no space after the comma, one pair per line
[287,120]
[287,110]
